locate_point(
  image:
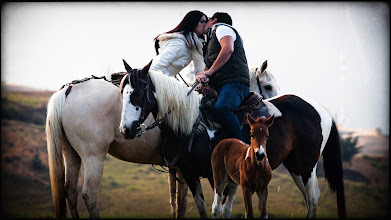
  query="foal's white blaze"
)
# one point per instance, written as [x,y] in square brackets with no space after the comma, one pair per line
[260,150]
[130,113]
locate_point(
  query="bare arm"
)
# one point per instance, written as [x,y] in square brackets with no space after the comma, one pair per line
[227,48]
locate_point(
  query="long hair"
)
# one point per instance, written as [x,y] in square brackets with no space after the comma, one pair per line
[188,24]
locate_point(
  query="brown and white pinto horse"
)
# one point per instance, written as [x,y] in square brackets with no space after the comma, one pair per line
[302,131]
[234,163]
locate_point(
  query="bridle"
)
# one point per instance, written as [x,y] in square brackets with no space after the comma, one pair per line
[145,100]
[258,82]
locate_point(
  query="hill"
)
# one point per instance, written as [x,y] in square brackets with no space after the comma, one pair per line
[134,190]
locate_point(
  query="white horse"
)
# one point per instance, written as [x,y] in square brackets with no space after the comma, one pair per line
[263,82]
[83,126]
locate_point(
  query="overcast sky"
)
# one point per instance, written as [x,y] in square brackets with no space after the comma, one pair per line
[337,53]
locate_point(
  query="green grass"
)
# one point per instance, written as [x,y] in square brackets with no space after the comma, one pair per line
[130,190]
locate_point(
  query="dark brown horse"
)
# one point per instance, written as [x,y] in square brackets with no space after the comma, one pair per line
[302,131]
[236,163]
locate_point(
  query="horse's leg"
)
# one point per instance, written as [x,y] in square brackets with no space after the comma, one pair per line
[172,189]
[182,190]
[72,167]
[313,193]
[227,209]
[92,178]
[299,182]
[262,198]
[196,189]
[248,203]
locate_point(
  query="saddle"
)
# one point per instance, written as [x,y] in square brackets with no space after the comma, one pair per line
[252,104]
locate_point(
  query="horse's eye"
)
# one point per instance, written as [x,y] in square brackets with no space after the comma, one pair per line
[137,108]
[268,87]
[137,94]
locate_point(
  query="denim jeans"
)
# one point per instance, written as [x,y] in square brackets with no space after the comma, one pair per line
[231,96]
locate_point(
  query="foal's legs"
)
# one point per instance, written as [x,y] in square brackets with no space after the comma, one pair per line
[227,208]
[92,178]
[72,167]
[220,178]
[262,198]
[218,199]
[248,203]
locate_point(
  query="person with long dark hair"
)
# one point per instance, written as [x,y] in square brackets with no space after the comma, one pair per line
[176,48]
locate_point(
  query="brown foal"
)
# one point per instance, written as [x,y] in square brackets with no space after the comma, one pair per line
[234,163]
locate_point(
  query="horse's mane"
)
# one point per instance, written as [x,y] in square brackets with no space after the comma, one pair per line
[172,96]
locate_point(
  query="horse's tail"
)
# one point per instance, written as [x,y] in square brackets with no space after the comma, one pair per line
[332,160]
[54,136]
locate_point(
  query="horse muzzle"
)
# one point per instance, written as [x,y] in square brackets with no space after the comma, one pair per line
[260,155]
[132,132]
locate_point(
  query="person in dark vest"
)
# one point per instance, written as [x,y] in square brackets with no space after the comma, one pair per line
[226,71]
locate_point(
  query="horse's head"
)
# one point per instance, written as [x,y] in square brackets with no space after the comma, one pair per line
[138,100]
[259,134]
[263,82]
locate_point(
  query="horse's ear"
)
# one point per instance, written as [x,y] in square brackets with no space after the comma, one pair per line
[127,67]
[146,68]
[269,121]
[264,66]
[250,119]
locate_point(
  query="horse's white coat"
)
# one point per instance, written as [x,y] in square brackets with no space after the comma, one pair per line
[266,78]
[84,126]
[326,120]
[273,110]
[313,193]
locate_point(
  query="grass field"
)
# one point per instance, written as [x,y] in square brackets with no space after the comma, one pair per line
[131,190]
